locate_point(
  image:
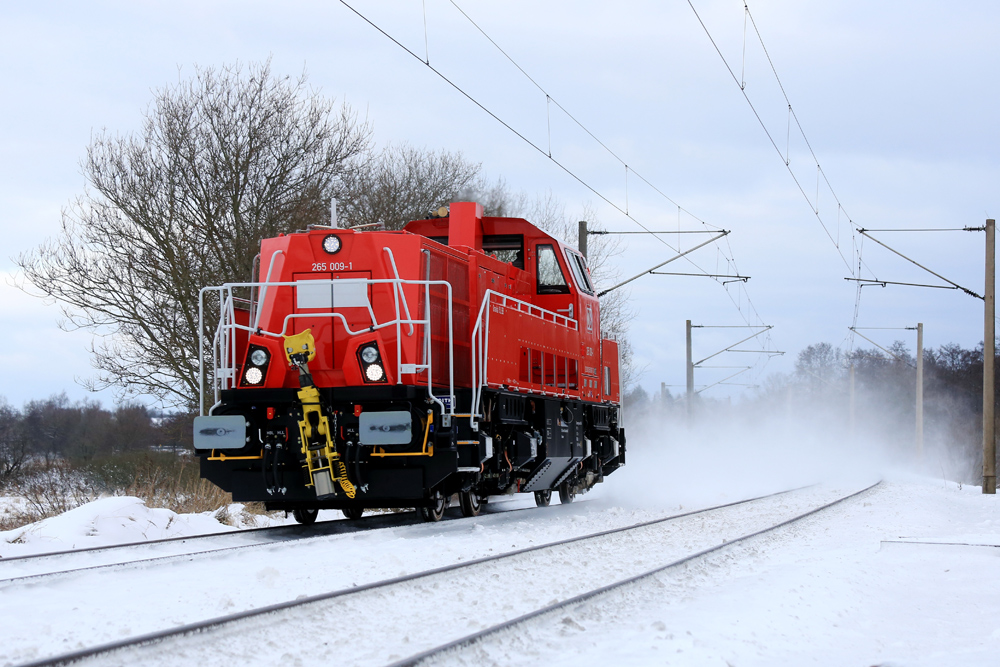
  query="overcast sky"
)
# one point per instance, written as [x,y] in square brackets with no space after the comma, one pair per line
[897,99]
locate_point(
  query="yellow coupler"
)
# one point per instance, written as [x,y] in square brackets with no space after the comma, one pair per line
[322,460]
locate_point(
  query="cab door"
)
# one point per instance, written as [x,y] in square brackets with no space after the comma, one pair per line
[590,324]
[559,290]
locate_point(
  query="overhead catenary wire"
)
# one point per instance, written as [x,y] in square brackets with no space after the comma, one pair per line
[510,127]
[740,295]
[856,231]
[857,293]
[820,173]
[486,110]
[569,115]
[552,100]
[856,246]
[427,46]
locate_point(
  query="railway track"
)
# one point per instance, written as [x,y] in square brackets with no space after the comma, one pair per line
[115,555]
[478,597]
[133,554]
[429,656]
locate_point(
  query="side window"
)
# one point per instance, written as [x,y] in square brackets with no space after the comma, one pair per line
[579,268]
[507,248]
[550,276]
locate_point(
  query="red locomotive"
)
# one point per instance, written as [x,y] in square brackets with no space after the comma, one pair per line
[395,369]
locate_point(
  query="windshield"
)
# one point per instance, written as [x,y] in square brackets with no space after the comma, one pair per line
[578,265]
[550,276]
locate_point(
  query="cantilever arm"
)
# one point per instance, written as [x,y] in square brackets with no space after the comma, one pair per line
[675,257]
[937,275]
[766,328]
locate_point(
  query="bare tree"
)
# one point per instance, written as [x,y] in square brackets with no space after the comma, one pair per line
[224,159]
[403,183]
[14,447]
[821,361]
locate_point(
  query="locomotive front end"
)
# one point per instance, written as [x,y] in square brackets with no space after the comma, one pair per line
[323,375]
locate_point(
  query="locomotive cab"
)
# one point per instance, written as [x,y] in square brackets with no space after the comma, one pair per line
[386,369]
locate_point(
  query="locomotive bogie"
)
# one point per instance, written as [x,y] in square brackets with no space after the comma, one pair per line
[555,443]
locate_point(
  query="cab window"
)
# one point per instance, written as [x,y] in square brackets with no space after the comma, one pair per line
[507,248]
[550,275]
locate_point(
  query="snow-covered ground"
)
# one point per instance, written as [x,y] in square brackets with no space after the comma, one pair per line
[123,519]
[836,589]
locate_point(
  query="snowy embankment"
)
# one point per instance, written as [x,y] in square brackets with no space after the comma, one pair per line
[122,520]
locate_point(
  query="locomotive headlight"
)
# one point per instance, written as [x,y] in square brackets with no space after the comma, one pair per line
[371,363]
[374,373]
[258,357]
[253,376]
[369,354]
[331,243]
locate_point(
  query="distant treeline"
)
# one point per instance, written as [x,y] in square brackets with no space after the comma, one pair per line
[818,392]
[57,429]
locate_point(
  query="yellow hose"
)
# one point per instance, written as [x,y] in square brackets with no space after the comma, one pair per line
[345,483]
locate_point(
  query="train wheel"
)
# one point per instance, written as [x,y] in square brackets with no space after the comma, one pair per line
[305,517]
[353,513]
[436,511]
[543,498]
[566,493]
[470,502]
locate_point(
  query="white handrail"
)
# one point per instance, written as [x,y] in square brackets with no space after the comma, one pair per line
[267,281]
[406,308]
[224,360]
[481,341]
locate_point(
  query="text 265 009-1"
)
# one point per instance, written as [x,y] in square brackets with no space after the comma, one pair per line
[331,266]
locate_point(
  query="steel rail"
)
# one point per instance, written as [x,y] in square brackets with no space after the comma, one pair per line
[201,626]
[181,538]
[475,637]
